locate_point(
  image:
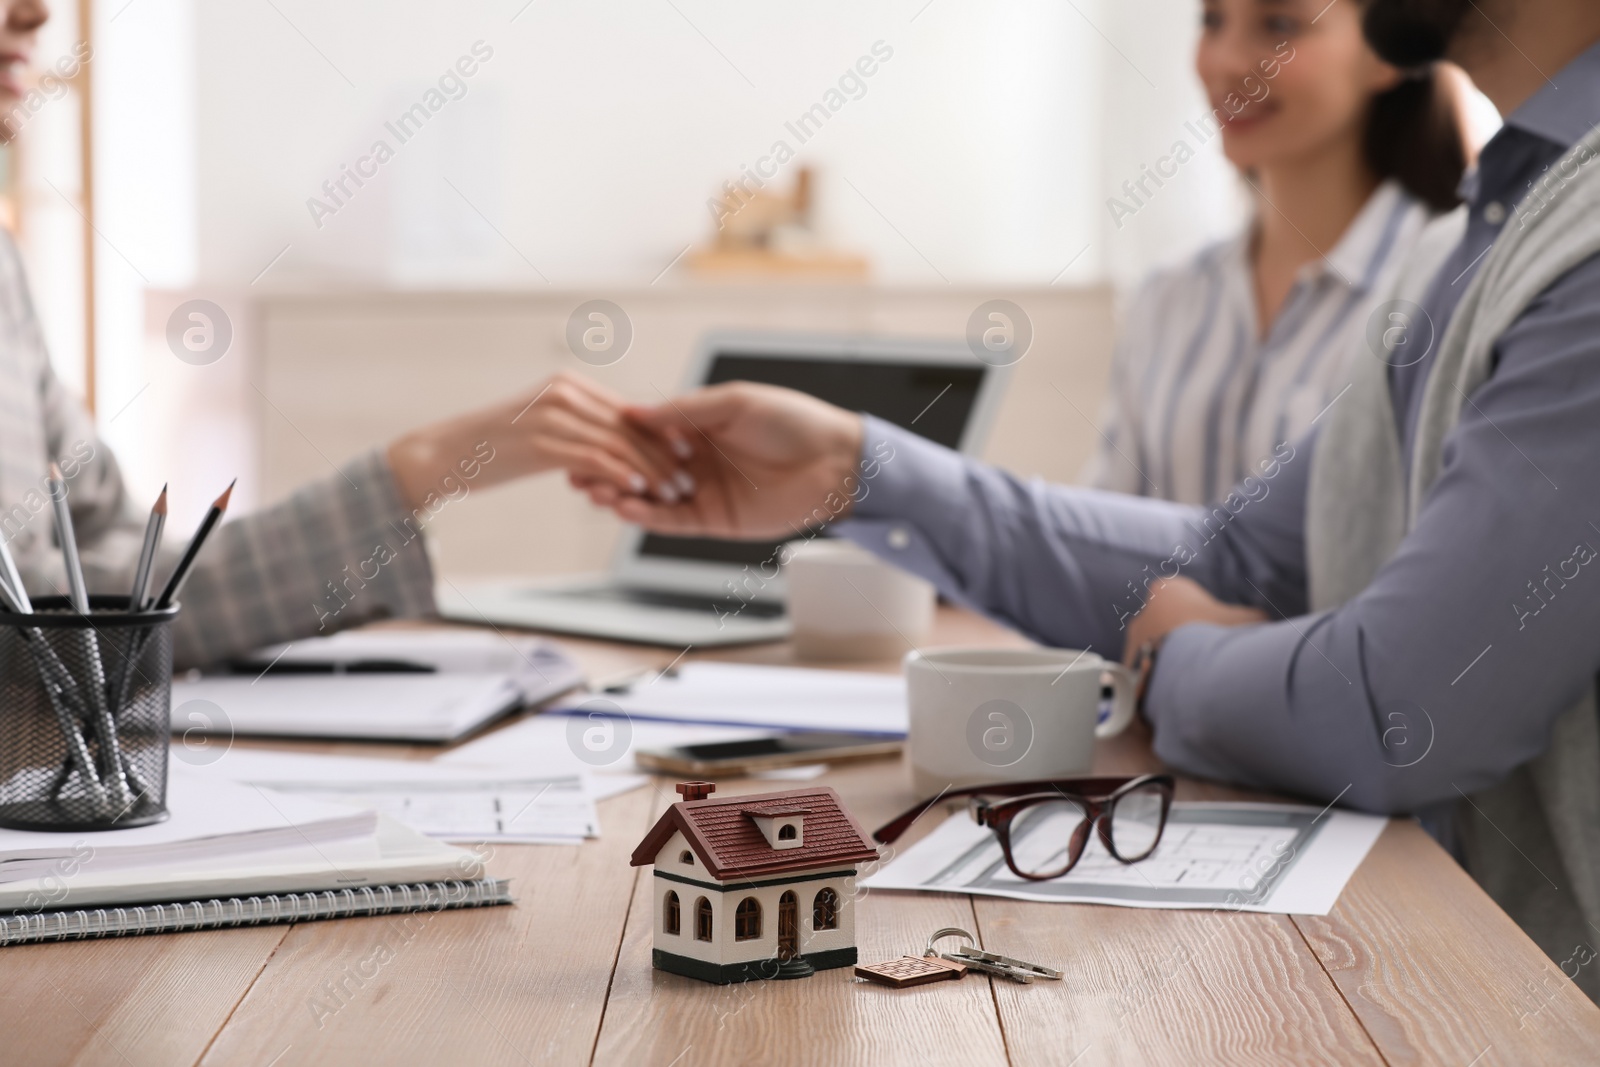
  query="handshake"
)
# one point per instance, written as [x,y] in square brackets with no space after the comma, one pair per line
[737,460]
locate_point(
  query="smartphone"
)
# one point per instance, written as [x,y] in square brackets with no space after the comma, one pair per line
[766,753]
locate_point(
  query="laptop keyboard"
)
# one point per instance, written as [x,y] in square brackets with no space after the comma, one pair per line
[661,598]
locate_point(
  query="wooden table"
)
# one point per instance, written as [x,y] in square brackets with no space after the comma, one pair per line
[1414,965]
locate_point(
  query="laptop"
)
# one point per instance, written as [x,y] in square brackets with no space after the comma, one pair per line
[681,591]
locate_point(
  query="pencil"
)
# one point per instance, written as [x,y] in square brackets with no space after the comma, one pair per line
[18,595]
[180,574]
[50,670]
[138,600]
[105,725]
[77,591]
[147,554]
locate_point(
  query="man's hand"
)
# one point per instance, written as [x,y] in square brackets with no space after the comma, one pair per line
[764,460]
[1175,602]
[568,423]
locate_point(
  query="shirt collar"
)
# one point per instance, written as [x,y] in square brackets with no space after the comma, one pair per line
[1567,106]
[1357,258]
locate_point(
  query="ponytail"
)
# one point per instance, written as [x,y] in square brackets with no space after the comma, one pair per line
[1414,136]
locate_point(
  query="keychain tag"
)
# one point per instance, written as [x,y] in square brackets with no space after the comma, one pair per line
[910,971]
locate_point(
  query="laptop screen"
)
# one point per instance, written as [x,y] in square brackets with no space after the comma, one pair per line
[932,399]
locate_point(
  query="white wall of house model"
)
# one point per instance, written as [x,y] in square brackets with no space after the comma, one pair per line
[675,860]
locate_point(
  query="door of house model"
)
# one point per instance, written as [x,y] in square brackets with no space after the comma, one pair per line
[788,927]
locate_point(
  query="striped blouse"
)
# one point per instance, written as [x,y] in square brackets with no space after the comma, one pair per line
[1198,398]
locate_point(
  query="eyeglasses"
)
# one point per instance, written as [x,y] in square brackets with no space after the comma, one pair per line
[1043,826]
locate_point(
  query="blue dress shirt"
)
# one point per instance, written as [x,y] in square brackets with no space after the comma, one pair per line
[1447,671]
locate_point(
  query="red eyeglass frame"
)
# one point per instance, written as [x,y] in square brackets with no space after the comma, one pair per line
[1097,796]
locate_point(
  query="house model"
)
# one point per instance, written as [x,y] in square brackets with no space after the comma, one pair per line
[756,886]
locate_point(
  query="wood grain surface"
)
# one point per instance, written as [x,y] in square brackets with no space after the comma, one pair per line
[133,1000]
[1414,965]
[482,986]
[1438,974]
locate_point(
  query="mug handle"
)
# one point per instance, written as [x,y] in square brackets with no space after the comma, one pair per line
[1123,686]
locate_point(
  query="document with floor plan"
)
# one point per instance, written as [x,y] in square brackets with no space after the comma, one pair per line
[1238,857]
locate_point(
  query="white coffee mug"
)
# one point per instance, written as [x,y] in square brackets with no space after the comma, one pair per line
[992,715]
[846,604]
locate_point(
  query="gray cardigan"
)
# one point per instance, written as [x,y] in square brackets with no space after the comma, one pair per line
[1533,841]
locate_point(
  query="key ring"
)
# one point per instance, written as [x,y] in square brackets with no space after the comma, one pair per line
[948,931]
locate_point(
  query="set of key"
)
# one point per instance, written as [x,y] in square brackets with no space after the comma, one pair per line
[933,966]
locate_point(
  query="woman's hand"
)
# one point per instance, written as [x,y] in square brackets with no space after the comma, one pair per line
[765,461]
[568,423]
[1175,602]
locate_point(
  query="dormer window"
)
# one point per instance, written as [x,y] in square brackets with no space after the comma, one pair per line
[783,827]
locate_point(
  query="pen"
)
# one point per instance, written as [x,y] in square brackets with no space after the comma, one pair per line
[105,726]
[147,554]
[623,683]
[180,574]
[355,666]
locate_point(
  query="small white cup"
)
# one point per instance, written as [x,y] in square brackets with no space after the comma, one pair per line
[846,604]
[982,715]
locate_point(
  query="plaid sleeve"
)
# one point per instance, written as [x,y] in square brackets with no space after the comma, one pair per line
[339,552]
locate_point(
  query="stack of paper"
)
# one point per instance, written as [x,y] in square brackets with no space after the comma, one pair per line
[598,733]
[548,739]
[739,694]
[530,802]
[387,684]
[222,839]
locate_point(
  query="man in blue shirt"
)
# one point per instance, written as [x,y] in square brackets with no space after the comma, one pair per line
[1431,685]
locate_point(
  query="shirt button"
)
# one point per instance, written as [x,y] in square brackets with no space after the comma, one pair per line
[898,538]
[1494,213]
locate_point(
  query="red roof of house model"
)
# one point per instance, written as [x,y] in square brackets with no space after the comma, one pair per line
[723,833]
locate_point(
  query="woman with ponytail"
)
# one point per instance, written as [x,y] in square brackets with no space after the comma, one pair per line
[1225,358]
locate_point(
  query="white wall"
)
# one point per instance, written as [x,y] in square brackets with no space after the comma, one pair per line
[1151,91]
[596,133]
[145,196]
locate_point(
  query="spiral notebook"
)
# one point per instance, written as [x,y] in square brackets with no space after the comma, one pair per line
[24,927]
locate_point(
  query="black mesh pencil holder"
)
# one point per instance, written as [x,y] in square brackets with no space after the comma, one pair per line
[84,715]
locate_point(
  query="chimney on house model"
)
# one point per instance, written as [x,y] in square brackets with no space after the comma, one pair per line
[695,790]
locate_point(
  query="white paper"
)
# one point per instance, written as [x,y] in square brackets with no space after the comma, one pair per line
[1229,857]
[389,855]
[209,817]
[524,803]
[568,741]
[553,813]
[772,698]
[805,773]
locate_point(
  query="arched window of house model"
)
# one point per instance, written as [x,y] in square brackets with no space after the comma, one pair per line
[787,832]
[669,913]
[686,858]
[702,920]
[747,920]
[825,910]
